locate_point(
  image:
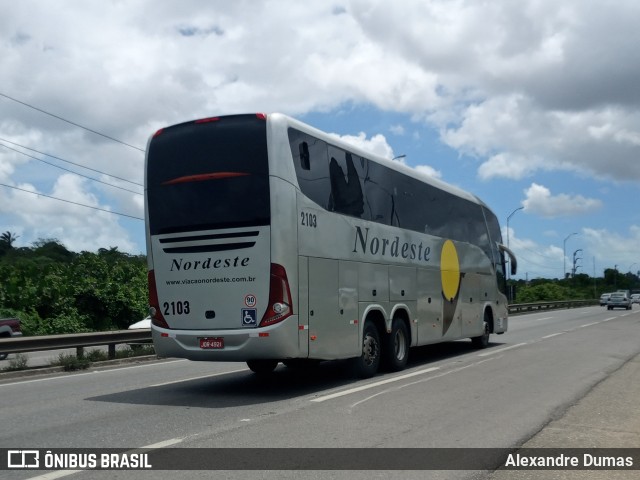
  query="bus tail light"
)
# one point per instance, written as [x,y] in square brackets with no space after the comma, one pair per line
[280,303]
[154,304]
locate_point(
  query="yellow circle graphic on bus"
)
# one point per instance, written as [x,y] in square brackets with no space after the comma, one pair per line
[449,270]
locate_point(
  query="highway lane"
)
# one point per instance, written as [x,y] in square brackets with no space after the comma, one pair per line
[450,396]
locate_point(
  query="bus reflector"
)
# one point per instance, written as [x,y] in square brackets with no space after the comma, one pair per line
[154,304]
[263,334]
[280,305]
[261,116]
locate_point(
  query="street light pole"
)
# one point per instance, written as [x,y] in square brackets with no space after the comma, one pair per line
[509,218]
[564,255]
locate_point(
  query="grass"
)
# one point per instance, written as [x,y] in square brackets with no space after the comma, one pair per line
[71,362]
[17,362]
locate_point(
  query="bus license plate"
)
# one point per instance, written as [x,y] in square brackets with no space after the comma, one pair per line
[212,343]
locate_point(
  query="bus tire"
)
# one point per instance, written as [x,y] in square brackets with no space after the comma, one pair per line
[367,364]
[262,367]
[395,353]
[482,341]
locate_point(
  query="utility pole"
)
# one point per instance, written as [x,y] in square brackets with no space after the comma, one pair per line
[564,255]
[575,261]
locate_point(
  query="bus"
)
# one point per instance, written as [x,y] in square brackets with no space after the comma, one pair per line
[270,241]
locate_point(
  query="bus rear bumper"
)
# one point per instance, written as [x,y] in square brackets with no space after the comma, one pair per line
[279,342]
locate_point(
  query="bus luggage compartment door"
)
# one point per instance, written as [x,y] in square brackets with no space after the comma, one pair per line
[333,326]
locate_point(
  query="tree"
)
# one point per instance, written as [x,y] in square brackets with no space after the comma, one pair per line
[55,291]
[6,241]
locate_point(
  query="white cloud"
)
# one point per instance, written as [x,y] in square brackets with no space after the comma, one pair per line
[76,226]
[613,248]
[535,260]
[376,144]
[428,170]
[397,129]
[540,201]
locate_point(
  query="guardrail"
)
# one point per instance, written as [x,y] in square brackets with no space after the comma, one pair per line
[113,338]
[532,307]
[76,340]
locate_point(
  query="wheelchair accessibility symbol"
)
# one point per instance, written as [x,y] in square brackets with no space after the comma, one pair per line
[249,317]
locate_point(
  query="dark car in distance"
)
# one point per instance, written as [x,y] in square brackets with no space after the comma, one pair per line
[9,327]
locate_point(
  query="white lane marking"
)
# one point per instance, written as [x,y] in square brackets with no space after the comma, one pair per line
[93,372]
[163,444]
[554,335]
[331,396]
[588,324]
[543,318]
[197,378]
[66,473]
[422,380]
[54,475]
[493,352]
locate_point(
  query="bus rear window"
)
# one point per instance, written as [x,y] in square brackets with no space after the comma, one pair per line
[208,175]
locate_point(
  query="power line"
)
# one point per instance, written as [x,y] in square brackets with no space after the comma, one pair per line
[70,171]
[68,161]
[70,122]
[73,203]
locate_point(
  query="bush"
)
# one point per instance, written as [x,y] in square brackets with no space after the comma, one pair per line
[19,362]
[71,362]
[96,355]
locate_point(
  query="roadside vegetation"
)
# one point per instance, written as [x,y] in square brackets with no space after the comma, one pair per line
[579,287]
[53,290]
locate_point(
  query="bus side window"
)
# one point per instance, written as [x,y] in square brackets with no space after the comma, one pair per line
[305,162]
[346,191]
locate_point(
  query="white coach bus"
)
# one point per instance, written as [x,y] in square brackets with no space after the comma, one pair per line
[270,241]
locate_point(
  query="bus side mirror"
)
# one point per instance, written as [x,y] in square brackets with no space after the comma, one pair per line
[512,258]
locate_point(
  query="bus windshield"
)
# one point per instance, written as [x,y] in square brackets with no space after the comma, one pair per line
[208,174]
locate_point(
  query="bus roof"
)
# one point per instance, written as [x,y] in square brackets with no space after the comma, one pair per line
[287,121]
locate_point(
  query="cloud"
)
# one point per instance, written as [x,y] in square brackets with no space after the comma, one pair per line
[376,144]
[428,170]
[540,201]
[397,129]
[537,85]
[45,217]
[613,248]
[535,260]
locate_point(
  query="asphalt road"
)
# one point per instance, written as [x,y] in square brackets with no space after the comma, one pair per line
[449,396]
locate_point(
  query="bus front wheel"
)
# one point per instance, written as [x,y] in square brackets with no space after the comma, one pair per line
[482,341]
[262,367]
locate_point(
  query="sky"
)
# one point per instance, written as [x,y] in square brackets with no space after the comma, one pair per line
[533,106]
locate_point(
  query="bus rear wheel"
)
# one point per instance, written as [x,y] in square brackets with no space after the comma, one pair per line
[262,367]
[396,346]
[367,364]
